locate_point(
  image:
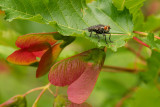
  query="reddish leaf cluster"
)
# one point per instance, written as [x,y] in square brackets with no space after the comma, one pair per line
[80,72]
[42,45]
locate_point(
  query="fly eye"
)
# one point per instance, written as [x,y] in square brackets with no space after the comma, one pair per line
[105,27]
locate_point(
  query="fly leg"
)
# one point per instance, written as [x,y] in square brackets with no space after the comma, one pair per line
[105,38]
[98,37]
[110,37]
[90,34]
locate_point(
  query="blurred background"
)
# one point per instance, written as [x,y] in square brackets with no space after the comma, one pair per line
[110,88]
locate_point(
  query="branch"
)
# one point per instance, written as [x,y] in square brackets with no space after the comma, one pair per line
[117,69]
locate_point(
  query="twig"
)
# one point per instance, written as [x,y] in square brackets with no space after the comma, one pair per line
[57,90]
[35,89]
[44,89]
[120,103]
[51,92]
[107,68]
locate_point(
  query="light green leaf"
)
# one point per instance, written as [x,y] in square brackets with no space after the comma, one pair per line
[61,101]
[134,7]
[69,17]
[130,4]
[119,4]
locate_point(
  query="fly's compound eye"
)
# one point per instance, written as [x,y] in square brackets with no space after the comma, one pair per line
[106,27]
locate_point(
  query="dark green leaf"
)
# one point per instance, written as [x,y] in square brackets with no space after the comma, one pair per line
[145,96]
[69,17]
[153,67]
[152,23]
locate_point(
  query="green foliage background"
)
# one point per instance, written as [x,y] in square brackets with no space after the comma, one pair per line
[69,17]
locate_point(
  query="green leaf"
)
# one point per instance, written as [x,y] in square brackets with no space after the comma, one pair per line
[152,23]
[61,101]
[146,96]
[69,17]
[134,7]
[153,68]
[120,4]
[16,101]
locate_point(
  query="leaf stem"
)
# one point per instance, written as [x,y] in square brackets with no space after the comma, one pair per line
[57,90]
[119,34]
[42,92]
[139,41]
[51,92]
[108,68]
[145,34]
[32,90]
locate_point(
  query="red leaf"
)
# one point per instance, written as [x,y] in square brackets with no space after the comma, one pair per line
[66,71]
[80,72]
[39,53]
[80,89]
[38,41]
[79,105]
[22,57]
[48,59]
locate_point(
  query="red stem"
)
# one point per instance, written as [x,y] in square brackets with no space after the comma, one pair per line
[139,41]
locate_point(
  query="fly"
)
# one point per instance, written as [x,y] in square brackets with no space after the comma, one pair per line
[100,29]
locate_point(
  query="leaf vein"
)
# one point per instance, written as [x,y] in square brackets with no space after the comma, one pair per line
[62,14]
[78,14]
